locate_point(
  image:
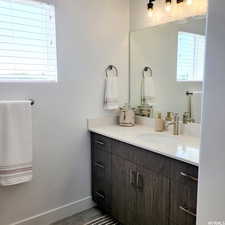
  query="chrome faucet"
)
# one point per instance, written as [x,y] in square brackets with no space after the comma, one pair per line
[187,116]
[175,123]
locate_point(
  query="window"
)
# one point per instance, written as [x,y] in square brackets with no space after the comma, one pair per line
[27,41]
[190,57]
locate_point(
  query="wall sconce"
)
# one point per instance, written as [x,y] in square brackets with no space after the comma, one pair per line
[168,5]
[150,7]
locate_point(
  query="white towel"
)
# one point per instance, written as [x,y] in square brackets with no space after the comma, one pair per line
[15,142]
[111,93]
[148,90]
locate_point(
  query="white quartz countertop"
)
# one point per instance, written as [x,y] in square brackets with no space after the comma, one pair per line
[184,148]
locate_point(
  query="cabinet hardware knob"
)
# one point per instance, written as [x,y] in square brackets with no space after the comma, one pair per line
[100,195]
[100,142]
[189,176]
[187,211]
[99,165]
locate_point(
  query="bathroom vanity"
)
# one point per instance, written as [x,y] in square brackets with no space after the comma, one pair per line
[140,182]
[139,176]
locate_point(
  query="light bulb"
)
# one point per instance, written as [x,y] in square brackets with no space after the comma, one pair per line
[150,7]
[168,6]
[189,2]
[150,12]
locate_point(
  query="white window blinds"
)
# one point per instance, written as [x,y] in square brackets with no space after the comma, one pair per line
[27,41]
[190,57]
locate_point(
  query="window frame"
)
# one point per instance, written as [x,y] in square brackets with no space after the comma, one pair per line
[31,79]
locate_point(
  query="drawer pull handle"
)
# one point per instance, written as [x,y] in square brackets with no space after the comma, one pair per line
[133,175]
[100,143]
[189,176]
[100,195]
[99,165]
[140,182]
[187,211]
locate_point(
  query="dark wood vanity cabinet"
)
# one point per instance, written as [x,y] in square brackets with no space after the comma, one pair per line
[139,187]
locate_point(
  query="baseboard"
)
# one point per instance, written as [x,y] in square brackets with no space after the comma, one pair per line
[59,213]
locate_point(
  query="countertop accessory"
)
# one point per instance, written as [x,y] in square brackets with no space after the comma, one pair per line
[159,123]
[127,116]
[111,68]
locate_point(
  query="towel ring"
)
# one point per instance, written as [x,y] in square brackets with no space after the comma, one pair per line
[110,68]
[147,69]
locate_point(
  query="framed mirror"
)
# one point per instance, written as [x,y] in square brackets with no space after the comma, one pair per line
[167,68]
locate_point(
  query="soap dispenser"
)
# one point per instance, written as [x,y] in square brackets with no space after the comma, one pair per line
[159,123]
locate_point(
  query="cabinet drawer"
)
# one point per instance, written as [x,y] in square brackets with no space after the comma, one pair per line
[102,196]
[101,142]
[101,164]
[183,204]
[184,173]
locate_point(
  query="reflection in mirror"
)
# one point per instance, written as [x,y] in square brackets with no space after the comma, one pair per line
[166,69]
[190,56]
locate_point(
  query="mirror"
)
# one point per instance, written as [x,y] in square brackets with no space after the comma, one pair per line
[167,67]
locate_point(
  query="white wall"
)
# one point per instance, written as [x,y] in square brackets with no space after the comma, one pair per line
[211,198]
[90,36]
[139,15]
[157,47]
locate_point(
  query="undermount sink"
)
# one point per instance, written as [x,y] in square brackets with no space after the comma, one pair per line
[160,138]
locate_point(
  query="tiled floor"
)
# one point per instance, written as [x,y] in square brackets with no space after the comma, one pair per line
[81,218]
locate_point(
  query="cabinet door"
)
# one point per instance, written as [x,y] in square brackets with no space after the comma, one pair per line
[123,190]
[152,198]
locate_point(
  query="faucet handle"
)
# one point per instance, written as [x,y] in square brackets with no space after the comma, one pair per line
[176,116]
[185,117]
